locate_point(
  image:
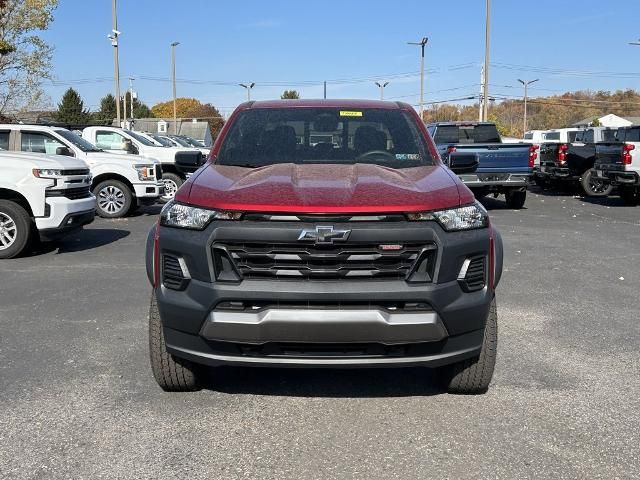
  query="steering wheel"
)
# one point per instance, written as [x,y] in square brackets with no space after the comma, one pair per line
[374,153]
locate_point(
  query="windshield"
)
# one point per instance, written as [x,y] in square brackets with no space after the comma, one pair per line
[78,141]
[181,141]
[141,139]
[165,142]
[262,137]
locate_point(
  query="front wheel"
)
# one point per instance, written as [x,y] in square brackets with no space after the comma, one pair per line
[516,198]
[173,374]
[15,229]
[172,182]
[473,376]
[593,186]
[113,199]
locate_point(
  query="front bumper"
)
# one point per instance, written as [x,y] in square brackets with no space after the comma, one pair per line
[148,190]
[65,215]
[476,180]
[322,323]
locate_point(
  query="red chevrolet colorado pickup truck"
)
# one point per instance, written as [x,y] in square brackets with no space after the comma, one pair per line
[362,250]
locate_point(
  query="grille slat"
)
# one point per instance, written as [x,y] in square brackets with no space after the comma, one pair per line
[70,193]
[294,261]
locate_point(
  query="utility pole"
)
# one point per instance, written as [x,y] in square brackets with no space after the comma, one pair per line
[481,104]
[124,104]
[248,86]
[173,76]
[485,79]
[526,86]
[131,79]
[382,85]
[422,44]
[325,89]
[113,36]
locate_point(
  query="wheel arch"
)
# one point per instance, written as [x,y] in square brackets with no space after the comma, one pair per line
[112,176]
[12,195]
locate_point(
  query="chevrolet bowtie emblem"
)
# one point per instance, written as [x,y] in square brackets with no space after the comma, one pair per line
[324,235]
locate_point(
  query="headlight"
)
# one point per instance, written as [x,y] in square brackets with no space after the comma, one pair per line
[144,172]
[184,216]
[455,219]
[47,173]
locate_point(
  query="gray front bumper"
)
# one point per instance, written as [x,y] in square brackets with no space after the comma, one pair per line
[323,326]
[512,180]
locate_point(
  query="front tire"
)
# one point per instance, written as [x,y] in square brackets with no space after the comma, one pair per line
[15,229]
[172,182]
[173,374]
[113,199]
[473,376]
[516,199]
[593,186]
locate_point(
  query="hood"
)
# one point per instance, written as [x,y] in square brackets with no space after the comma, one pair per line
[119,158]
[41,160]
[318,188]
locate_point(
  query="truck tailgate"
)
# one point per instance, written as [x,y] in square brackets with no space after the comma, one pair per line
[609,154]
[506,157]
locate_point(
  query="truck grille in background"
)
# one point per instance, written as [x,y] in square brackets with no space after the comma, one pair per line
[475,277]
[172,275]
[70,193]
[158,172]
[306,262]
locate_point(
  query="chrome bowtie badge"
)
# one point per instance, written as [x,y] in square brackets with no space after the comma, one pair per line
[324,235]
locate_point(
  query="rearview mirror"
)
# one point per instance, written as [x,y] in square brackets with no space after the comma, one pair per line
[64,151]
[189,162]
[463,162]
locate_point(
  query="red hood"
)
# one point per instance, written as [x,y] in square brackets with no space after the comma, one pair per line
[323,189]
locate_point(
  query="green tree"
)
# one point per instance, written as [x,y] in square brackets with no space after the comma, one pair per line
[595,123]
[107,110]
[25,58]
[290,94]
[71,108]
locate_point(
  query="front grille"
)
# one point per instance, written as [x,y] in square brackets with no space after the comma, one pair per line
[77,171]
[307,262]
[475,276]
[173,276]
[158,172]
[70,193]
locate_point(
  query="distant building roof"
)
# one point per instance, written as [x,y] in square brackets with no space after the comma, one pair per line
[609,120]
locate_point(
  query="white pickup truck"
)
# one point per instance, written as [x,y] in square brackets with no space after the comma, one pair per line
[41,194]
[121,184]
[121,141]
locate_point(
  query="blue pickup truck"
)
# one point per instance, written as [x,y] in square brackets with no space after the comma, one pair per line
[474,151]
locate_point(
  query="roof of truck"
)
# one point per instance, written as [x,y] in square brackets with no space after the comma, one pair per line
[320,103]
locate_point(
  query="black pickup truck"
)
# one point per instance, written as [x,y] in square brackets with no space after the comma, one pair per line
[573,162]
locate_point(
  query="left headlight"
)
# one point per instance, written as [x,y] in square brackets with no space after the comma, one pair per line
[456,219]
[185,216]
[144,172]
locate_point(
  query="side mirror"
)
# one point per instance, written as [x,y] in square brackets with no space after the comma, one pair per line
[463,162]
[189,162]
[129,147]
[64,151]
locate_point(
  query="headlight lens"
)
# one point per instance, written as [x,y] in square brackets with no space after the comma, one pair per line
[47,173]
[456,219]
[185,216]
[144,172]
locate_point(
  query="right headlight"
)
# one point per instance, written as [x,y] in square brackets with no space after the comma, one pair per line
[456,219]
[185,216]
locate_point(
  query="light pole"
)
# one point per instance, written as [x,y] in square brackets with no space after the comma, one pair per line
[248,86]
[113,36]
[526,86]
[485,79]
[422,44]
[131,79]
[173,76]
[382,85]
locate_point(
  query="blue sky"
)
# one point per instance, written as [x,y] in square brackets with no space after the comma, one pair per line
[280,44]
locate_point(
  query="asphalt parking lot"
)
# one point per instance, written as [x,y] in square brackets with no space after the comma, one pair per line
[78,399]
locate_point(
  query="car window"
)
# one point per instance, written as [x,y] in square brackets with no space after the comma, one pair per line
[261,137]
[141,139]
[38,142]
[110,140]
[528,136]
[609,135]
[571,136]
[552,136]
[467,134]
[588,136]
[632,135]
[4,140]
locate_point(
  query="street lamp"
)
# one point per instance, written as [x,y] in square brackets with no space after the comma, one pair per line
[382,85]
[485,79]
[173,70]
[113,36]
[248,86]
[526,86]
[422,44]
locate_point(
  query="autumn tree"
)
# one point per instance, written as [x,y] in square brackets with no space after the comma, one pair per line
[191,108]
[71,108]
[25,58]
[290,94]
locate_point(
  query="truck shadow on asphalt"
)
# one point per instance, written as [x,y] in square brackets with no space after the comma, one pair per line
[327,383]
[492,203]
[87,239]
